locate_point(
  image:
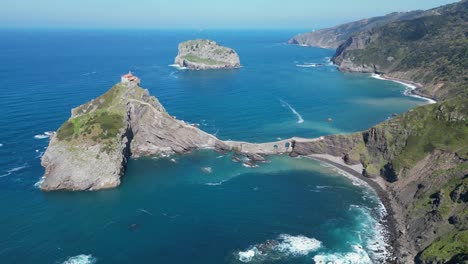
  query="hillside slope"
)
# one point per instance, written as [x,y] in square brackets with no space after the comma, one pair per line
[423,156]
[332,38]
[431,50]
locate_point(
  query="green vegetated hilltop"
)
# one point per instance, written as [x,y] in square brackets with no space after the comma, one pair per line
[431,50]
[423,153]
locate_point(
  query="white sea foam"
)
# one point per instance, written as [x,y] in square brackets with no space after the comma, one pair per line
[220,156]
[177,66]
[249,165]
[11,171]
[248,255]
[300,120]
[312,65]
[89,73]
[407,92]
[297,245]
[207,169]
[44,135]
[282,247]
[81,259]
[146,212]
[39,182]
[215,183]
[357,256]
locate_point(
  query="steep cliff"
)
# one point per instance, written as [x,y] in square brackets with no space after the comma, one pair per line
[430,50]
[91,149]
[203,54]
[423,156]
[331,38]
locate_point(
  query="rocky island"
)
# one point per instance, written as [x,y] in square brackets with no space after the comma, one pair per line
[204,54]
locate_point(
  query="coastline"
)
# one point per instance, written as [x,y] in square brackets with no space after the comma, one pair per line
[395,244]
[411,87]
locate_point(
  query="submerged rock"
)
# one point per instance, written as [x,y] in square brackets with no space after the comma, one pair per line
[203,54]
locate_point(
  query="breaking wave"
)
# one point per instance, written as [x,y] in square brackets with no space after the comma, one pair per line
[284,246]
[81,259]
[300,120]
[177,66]
[409,88]
[42,136]
[357,256]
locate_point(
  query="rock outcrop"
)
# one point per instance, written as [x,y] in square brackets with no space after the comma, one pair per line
[203,54]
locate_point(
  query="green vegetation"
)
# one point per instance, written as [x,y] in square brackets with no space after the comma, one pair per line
[98,121]
[446,247]
[438,126]
[196,59]
[432,50]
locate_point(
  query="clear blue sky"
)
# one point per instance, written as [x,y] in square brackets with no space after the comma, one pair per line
[198,13]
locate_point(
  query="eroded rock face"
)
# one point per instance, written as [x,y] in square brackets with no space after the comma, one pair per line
[90,151]
[205,54]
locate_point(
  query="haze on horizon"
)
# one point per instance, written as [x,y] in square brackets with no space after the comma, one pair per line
[198,14]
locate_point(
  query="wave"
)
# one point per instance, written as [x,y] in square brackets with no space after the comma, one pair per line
[177,66]
[282,247]
[146,212]
[300,120]
[376,239]
[39,182]
[89,73]
[45,135]
[207,170]
[357,256]
[408,90]
[81,259]
[11,171]
[310,65]
[216,183]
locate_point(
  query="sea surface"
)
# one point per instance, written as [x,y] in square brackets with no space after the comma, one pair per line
[201,207]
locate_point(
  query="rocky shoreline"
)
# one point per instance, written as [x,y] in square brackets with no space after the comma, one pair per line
[389,221]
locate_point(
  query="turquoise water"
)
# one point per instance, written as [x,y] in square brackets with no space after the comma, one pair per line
[171,210]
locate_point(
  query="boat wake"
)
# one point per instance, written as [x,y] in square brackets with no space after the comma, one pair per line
[11,171]
[300,120]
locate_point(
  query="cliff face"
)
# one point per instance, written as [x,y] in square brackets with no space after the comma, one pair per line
[431,50]
[91,149]
[423,156]
[206,54]
[331,38]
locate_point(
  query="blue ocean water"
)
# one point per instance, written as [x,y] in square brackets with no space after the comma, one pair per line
[171,210]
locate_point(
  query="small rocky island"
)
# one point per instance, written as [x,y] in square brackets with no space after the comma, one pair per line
[204,54]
